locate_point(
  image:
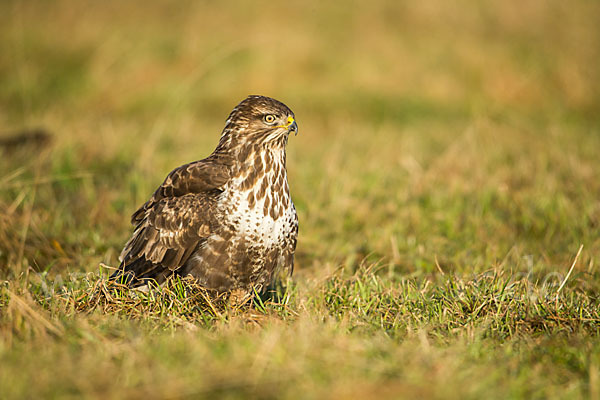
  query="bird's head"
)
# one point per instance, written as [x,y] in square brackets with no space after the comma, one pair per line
[260,120]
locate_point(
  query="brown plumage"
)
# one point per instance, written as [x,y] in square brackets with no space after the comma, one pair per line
[228,220]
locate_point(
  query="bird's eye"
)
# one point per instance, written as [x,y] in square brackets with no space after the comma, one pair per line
[269,118]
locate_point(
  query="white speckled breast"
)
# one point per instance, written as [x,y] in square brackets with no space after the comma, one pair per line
[255,221]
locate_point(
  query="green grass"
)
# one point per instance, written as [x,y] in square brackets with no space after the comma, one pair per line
[446,174]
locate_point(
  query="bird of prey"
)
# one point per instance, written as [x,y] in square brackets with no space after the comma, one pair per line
[227,220]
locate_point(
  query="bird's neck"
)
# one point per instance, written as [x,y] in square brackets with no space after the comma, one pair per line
[243,155]
[255,164]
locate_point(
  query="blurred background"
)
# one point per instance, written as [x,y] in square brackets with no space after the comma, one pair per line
[458,133]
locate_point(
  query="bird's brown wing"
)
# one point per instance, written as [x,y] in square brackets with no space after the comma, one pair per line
[196,177]
[170,231]
[177,218]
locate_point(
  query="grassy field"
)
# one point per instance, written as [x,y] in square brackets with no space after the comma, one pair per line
[446,176]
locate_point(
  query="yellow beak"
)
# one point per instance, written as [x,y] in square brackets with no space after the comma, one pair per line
[291,125]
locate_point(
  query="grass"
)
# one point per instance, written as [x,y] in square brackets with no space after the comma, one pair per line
[446,175]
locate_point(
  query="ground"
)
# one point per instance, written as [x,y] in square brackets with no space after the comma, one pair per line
[446,176]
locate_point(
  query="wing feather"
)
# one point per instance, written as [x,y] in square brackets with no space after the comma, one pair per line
[170,230]
[196,177]
[177,218]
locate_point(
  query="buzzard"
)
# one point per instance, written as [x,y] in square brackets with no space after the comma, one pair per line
[227,220]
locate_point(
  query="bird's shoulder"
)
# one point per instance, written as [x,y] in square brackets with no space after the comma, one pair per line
[203,178]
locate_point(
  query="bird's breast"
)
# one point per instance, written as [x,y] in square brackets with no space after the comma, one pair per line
[262,213]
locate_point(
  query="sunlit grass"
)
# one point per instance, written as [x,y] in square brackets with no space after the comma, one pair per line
[446,175]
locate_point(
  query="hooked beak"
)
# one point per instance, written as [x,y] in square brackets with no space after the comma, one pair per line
[293,127]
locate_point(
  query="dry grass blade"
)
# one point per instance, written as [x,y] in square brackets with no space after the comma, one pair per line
[20,309]
[570,270]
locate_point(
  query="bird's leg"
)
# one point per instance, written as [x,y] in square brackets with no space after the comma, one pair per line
[238,298]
